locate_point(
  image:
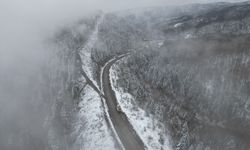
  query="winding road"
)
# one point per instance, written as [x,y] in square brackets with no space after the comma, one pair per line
[123,128]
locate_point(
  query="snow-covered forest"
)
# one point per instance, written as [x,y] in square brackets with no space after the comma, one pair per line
[156,77]
[194,77]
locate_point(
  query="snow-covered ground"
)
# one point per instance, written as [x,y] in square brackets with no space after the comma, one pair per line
[150,130]
[91,129]
[85,52]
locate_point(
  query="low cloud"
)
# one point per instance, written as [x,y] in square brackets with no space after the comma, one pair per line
[25,26]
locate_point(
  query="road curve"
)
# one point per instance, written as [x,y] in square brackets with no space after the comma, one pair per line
[125,131]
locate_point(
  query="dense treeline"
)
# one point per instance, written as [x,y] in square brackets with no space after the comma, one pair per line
[195,79]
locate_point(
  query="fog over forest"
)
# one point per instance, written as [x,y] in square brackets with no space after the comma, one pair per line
[27,57]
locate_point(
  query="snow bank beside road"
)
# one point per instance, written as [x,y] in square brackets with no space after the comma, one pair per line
[91,129]
[150,130]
